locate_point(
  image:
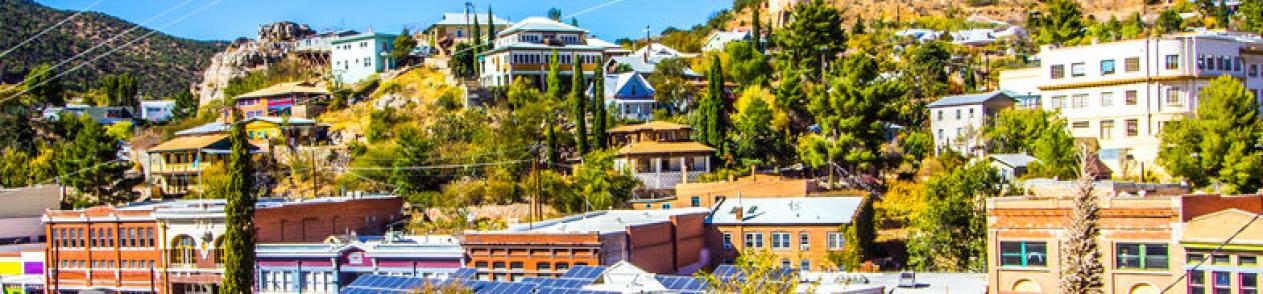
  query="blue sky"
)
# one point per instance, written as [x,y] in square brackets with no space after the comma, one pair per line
[241,18]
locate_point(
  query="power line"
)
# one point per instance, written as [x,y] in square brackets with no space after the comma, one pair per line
[591,9]
[428,167]
[1212,253]
[115,49]
[50,28]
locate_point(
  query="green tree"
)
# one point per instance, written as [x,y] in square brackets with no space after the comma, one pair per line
[1042,134]
[1251,12]
[462,60]
[476,39]
[185,105]
[950,234]
[927,67]
[747,66]
[239,237]
[404,44]
[580,103]
[1217,145]
[756,29]
[89,161]
[554,14]
[603,186]
[553,79]
[1169,21]
[756,142]
[852,114]
[410,180]
[1060,22]
[860,236]
[44,87]
[813,38]
[491,29]
[121,90]
[600,115]
[762,273]
[711,120]
[671,90]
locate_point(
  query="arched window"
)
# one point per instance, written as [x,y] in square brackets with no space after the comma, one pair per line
[219,250]
[183,250]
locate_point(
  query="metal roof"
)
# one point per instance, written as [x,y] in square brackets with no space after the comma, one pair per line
[968,99]
[541,24]
[601,221]
[458,18]
[786,211]
[1014,160]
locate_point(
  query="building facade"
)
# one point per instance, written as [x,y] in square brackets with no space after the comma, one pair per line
[660,154]
[957,121]
[457,28]
[176,246]
[524,49]
[357,57]
[175,167]
[631,94]
[297,99]
[1121,94]
[329,266]
[22,271]
[708,194]
[800,231]
[156,110]
[668,241]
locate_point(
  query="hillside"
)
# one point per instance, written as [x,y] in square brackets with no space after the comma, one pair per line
[164,64]
[1013,11]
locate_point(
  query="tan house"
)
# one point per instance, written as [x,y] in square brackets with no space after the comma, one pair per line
[800,231]
[708,194]
[660,154]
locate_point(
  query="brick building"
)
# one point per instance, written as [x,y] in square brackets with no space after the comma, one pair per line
[667,241]
[175,246]
[708,194]
[329,266]
[801,231]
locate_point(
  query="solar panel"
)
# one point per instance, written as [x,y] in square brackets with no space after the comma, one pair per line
[584,272]
[464,273]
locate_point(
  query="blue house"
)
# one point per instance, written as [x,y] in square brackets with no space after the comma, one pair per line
[631,94]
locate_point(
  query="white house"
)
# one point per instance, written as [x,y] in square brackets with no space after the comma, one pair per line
[156,110]
[523,51]
[356,57]
[957,121]
[1121,94]
[630,93]
[718,40]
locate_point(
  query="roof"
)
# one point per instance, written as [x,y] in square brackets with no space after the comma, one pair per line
[282,120]
[968,99]
[208,128]
[1014,160]
[541,24]
[664,147]
[160,103]
[603,44]
[640,65]
[786,211]
[627,86]
[458,18]
[375,246]
[191,143]
[659,50]
[717,40]
[602,222]
[287,88]
[369,35]
[653,125]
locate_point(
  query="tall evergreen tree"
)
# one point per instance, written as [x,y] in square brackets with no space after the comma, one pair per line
[476,39]
[185,105]
[553,79]
[491,29]
[712,117]
[121,90]
[239,214]
[756,29]
[580,105]
[554,147]
[44,87]
[1081,257]
[600,129]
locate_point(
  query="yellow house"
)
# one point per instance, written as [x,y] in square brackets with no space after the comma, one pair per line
[304,131]
[175,166]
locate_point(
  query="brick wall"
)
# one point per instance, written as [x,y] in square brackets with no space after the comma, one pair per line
[313,222]
[1199,205]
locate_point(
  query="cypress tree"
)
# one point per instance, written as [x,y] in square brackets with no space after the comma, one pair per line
[239,214]
[599,114]
[476,39]
[756,30]
[491,29]
[716,123]
[580,105]
[554,153]
[554,78]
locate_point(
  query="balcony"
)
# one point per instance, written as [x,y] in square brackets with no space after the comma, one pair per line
[666,180]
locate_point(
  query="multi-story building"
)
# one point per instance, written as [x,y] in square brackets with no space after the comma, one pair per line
[296,99]
[22,271]
[957,121]
[156,110]
[177,246]
[322,42]
[523,51]
[357,57]
[457,28]
[175,166]
[631,94]
[1122,93]
[666,241]
[708,194]
[660,154]
[646,59]
[800,231]
[329,266]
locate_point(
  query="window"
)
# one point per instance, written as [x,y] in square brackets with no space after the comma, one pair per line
[1023,254]
[1141,256]
[497,265]
[562,266]
[1058,71]
[696,201]
[785,264]
[1079,124]
[480,264]
[1058,102]
[804,265]
[939,115]
[1173,61]
[804,241]
[1174,97]
[1220,259]
[1107,130]
[754,240]
[780,240]
[836,240]
[957,114]
[1107,99]
[1133,64]
[1131,97]
[1079,101]
[1236,64]
[1133,127]
[1249,283]
[1249,260]
[1254,70]
[1201,62]
[1107,67]
[666,206]
[1077,69]
[516,265]
[1196,282]
[971,113]
[1223,283]
[727,240]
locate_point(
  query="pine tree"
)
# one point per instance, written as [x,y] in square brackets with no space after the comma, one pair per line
[553,80]
[599,116]
[185,105]
[491,29]
[580,105]
[239,214]
[1081,256]
[967,75]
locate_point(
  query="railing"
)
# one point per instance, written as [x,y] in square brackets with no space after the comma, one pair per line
[665,180]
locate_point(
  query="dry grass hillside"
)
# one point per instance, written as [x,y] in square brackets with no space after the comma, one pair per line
[1013,11]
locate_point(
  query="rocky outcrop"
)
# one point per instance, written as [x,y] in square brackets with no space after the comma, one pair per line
[244,55]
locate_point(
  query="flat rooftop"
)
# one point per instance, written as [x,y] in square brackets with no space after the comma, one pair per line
[602,221]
